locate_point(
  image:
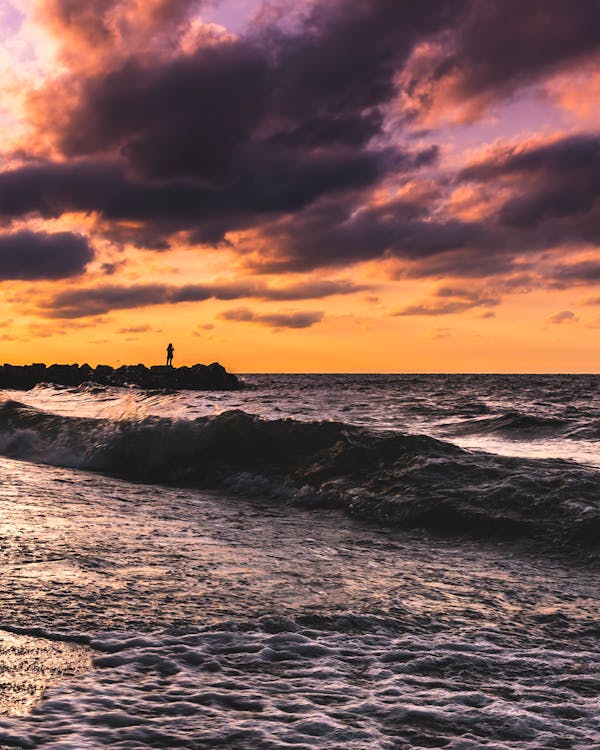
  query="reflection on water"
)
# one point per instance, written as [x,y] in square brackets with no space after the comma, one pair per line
[586,453]
[29,665]
[220,623]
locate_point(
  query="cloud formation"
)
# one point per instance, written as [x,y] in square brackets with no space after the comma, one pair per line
[299,145]
[90,32]
[207,112]
[562,317]
[135,329]
[39,255]
[85,302]
[224,135]
[498,47]
[555,187]
[274,320]
[570,274]
[449,300]
[51,190]
[283,129]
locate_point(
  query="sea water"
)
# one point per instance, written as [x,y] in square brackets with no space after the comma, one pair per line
[311,562]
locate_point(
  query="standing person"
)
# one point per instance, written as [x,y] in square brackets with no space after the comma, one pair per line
[170,351]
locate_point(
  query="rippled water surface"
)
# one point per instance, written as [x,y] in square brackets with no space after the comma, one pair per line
[556,416]
[314,562]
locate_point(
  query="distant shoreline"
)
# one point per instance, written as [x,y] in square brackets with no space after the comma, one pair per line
[213,377]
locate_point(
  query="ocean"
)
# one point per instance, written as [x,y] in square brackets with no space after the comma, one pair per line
[315,561]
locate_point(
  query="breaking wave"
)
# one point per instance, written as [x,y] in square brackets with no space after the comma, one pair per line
[389,477]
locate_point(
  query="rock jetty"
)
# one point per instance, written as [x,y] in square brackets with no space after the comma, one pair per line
[212,377]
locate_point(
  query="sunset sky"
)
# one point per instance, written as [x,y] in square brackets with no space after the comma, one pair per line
[317,186]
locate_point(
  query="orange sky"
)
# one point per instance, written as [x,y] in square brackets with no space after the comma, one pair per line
[173,171]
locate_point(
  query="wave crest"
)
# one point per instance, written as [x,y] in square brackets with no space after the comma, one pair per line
[514,424]
[389,477]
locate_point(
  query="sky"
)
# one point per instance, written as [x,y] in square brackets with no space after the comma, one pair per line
[307,186]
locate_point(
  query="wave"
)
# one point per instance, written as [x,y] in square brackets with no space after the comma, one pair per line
[590,431]
[514,424]
[388,477]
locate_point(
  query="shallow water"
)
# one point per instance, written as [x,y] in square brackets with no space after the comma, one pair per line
[243,619]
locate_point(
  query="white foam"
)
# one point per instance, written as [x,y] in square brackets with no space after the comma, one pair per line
[310,688]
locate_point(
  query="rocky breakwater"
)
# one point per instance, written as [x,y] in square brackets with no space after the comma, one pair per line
[212,377]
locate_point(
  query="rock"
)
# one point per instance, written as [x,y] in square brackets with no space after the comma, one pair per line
[63,375]
[197,378]
[102,374]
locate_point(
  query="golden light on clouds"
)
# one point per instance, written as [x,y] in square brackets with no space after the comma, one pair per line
[265,197]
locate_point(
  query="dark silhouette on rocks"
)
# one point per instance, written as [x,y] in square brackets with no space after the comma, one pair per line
[170,351]
[212,377]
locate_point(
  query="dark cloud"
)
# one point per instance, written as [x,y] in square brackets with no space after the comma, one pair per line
[498,46]
[314,290]
[283,129]
[572,153]
[217,112]
[554,201]
[339,62]
[274,320]
[135,329]
[449,300]
[334,233]
[303,223]
[38,255]
[189,117]
[225,135]
[555,188]
[560,318]
[568,274]
[480,261]
[211,112]
[51,189]
[506,43]
[334,75]
[111,268]
[80,303]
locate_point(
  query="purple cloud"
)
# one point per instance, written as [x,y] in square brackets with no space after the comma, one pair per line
[274,320]
[40,255]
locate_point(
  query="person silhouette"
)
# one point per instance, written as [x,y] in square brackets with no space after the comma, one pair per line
[170,351]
